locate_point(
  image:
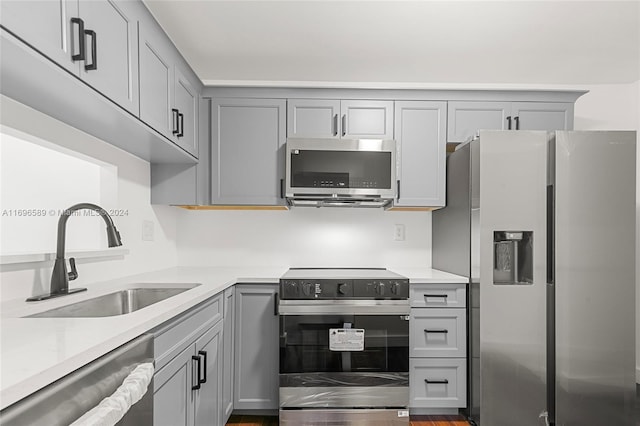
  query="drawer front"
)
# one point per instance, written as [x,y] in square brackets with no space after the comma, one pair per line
[437,333]
[437,383]
[172,337]
[438,295]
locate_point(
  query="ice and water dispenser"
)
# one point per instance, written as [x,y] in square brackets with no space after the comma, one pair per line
[513,257]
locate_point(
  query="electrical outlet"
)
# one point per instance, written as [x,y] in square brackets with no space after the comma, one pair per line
[398,232]
[147,230]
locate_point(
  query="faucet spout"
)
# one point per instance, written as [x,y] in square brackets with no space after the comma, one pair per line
[60,277]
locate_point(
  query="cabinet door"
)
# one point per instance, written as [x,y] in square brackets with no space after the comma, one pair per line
[228,353]
[45,25]
[116,50]
[186,102]
[173,398]
[209,396]
[247,152]
[156,80]
[542,115]
[257,346]
[466,118]
[313,118]
[367,119]
[421,145]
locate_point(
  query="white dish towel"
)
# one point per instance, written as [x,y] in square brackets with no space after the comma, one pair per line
[114,407]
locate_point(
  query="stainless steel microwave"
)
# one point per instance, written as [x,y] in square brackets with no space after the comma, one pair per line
[340,172]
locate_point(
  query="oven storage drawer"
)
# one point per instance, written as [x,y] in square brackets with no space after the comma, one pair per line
[437,333]
[438,383]
[438,295]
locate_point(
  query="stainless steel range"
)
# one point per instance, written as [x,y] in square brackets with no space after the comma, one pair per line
[344,347]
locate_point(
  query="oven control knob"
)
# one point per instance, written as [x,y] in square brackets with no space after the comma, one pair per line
[380,289]
[342,288]
[395,288]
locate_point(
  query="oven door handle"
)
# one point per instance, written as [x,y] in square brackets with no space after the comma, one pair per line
[322,309]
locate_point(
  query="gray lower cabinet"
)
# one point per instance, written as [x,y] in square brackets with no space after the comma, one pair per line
[256,347]
[94,39]
[330,118]
[466,118]
[420,133]
[437,348]
[228,354]
[247,151]
[189,360]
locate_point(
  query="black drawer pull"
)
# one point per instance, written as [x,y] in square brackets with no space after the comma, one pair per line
[437,382]
[436,295]
[426,330]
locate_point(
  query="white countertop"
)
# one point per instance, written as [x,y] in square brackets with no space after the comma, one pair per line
[35,352]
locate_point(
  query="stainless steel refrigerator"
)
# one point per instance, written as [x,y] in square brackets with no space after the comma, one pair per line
[543,224]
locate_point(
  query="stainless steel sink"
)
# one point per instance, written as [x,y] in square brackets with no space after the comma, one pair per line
[112,304]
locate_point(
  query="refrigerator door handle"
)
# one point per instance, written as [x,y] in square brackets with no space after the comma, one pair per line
[551,234]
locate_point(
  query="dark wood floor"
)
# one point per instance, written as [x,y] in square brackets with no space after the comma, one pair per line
[418,421]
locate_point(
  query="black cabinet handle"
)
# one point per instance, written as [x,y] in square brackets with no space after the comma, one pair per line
[517,120]
[176,129]
[180,125]
[197,360]
[509,122]
[437,382]
[281,188]
[204,361]
[335,125]
[436,295]
[398,189]
[275,304]
[80,55]
[426,330]
[344,125]
[94,51]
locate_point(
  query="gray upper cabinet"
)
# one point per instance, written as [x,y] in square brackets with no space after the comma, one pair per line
[156,79]
[45,25]
[420,133]
[247,151]
[327,118]
[169,91]
[466,118]
[111,63]
[256,347]
[542,115]
[94,39]
[186,102]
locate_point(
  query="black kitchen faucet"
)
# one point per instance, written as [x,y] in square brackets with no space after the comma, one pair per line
[60,277]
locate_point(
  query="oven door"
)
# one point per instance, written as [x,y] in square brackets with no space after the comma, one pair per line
[344,360]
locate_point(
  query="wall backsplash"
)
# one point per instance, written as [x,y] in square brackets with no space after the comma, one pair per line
[304,237]
[133,195]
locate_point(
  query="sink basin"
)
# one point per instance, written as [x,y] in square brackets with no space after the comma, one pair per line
[112,304]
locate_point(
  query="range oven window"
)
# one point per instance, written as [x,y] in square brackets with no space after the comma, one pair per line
[305,345]
[340,169]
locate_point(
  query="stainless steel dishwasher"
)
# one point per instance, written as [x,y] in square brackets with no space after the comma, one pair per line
[67,399]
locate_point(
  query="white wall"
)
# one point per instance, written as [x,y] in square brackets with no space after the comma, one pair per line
[22,280]
[304,237]
[608,107]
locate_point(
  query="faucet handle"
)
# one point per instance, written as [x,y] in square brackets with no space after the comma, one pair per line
[74,273]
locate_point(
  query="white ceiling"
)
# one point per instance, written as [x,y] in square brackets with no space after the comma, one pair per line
[360,43]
